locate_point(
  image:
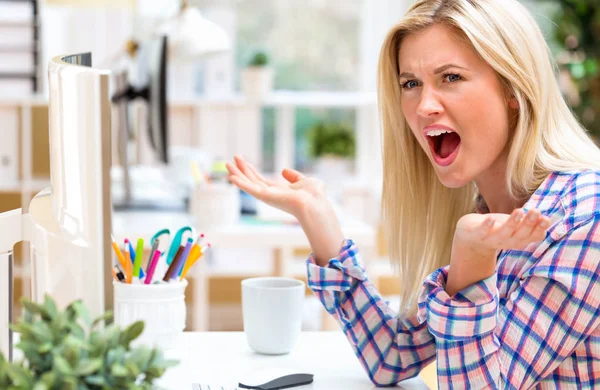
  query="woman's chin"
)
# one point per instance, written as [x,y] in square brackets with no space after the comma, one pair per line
[452,179]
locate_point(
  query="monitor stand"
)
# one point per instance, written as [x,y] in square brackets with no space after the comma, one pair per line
[147,189]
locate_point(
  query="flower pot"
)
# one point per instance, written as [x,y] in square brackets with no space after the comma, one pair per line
[257,82]
[333,166]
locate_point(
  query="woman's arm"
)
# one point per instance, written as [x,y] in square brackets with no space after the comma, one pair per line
[555,308]
[390,349]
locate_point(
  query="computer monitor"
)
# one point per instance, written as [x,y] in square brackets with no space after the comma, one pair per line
[70,243]
[154,91]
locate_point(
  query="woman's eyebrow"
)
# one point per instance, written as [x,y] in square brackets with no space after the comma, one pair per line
[435,71]
[447,66]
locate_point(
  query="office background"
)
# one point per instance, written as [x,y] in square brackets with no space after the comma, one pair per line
[316,65]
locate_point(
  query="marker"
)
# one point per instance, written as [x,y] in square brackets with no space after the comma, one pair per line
[152,267]
[171,270]
[138,259]
[154,249]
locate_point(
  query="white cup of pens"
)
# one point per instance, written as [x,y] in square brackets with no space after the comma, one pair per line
[153,289]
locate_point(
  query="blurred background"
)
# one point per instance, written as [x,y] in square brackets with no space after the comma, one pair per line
[281,82]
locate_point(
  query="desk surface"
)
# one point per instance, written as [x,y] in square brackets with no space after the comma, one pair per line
[224,358]
[247,234]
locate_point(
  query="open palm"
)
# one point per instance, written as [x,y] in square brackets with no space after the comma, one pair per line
[291,195]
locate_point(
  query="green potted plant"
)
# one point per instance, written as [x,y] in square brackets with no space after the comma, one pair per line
[65,350]
[257,77]
[333,146]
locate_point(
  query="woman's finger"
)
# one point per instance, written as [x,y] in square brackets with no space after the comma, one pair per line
[292,175]
[539,232]
[526,227]
[261,177]
[510,225]
[486,227]
[235,171]
[247,186]
[244,167]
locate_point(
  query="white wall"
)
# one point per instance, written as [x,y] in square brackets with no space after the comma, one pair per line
[67,30]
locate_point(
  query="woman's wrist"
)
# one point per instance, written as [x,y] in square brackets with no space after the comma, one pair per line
[469,266]
[322,228]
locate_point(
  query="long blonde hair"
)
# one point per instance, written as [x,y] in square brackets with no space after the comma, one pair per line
[419,213]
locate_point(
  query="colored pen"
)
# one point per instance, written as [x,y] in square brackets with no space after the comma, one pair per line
[138,259]
[152,267]
[131,251]
[183,258]
[133,256]
[118,252]
[171,270]
[154,249]
[191,261]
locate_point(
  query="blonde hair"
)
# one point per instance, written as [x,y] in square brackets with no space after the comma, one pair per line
[419,213]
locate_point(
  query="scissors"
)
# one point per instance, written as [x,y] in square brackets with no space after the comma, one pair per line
[175,243]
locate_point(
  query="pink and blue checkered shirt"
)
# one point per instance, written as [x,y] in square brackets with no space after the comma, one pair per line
[534,323]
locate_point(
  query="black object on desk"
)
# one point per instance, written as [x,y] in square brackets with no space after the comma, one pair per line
[285,382]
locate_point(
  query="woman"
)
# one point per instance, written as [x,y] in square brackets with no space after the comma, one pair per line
[489,198]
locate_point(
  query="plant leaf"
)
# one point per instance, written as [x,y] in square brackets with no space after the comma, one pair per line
[62,365]
[50,307]
[118,370]
[105,317]
[96,380]
[88,366]
[132,332]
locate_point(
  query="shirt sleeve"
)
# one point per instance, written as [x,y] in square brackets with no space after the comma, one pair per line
[390,349]
[482,344]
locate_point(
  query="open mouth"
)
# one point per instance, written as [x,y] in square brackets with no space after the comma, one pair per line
[444,145]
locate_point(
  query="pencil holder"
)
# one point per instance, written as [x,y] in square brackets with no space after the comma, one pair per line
[160,306]
[214,204]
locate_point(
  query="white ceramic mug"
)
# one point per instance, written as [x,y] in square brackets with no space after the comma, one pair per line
[272,312]
[160,306]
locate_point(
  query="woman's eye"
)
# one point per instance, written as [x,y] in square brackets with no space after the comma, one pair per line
[452,77]
[410,84]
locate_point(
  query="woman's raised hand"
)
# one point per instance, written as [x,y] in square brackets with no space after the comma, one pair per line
[479,237]
[492,232]
[294,195]
[303,197]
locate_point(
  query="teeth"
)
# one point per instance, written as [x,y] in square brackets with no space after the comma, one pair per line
[434,133]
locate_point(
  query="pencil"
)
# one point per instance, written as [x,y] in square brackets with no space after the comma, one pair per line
[128,273]
[118,251]
[191,261]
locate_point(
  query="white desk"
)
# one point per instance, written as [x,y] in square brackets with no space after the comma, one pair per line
[225,358]
[280,238]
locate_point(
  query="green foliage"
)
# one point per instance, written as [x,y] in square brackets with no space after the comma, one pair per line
[578,32]
[259,59]
[331,139]
[66,350]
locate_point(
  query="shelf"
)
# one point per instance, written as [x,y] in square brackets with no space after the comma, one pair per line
[16,75]
[34,185]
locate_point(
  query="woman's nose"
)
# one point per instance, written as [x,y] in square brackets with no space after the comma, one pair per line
[429,105]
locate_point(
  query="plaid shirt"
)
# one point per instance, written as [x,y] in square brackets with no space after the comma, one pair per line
[534,323]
